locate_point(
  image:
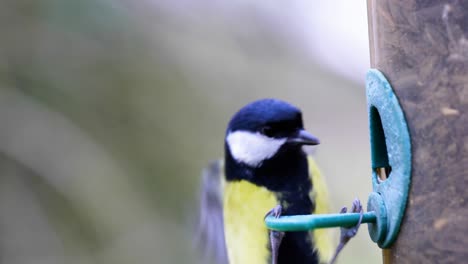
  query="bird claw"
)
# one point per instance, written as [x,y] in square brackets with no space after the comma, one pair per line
[275,236]
[343,210]
[275,212]
[349,232]
[356,206]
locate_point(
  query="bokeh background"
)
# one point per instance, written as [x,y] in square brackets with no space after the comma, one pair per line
[109,110]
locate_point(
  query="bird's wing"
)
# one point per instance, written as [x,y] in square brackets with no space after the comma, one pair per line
[210,235]
[322,237]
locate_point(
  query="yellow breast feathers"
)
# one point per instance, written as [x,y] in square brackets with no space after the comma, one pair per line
[322,237]
[245,206]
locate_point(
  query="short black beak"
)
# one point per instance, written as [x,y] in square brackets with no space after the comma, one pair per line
[303,137]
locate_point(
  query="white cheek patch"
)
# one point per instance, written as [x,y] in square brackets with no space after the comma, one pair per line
[252,148]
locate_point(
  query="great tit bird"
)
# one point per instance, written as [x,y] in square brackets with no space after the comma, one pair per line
[264,166]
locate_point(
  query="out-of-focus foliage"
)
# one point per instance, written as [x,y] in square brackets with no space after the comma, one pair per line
[110,109]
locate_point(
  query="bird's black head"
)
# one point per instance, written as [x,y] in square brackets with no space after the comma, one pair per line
[261,129]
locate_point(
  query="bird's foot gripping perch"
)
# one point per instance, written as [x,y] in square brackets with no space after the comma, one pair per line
[275,236]
[348,221]
[348,232]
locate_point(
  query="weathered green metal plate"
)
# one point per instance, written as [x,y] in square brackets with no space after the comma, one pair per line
[390,149]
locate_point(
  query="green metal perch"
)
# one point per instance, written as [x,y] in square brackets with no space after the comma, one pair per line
[309,222]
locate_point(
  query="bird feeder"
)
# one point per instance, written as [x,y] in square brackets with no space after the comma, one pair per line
[421,47]
[417,95]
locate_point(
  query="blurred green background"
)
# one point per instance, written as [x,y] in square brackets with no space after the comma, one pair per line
[109,110]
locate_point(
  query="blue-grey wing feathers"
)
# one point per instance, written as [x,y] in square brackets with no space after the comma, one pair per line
[210,235]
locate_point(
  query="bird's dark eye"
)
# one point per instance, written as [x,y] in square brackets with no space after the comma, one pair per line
[267,131]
